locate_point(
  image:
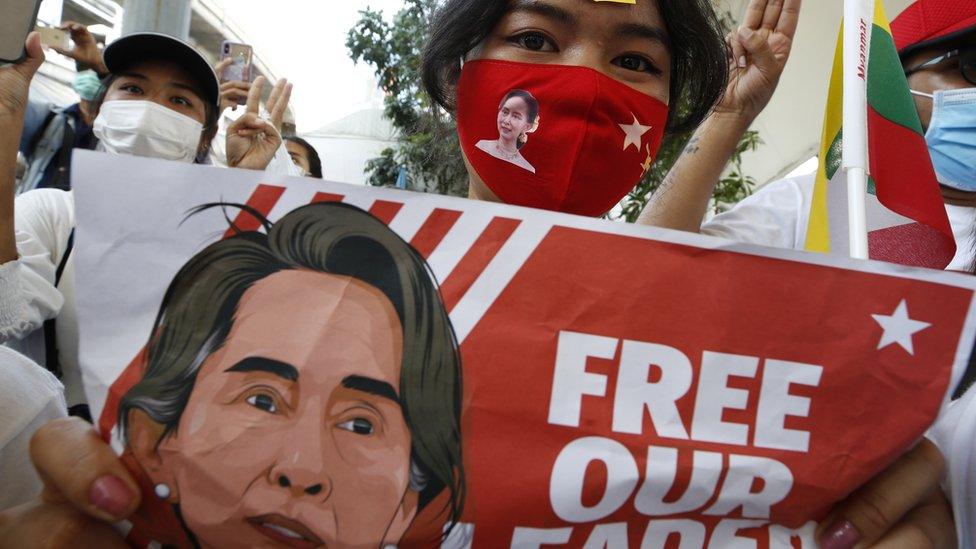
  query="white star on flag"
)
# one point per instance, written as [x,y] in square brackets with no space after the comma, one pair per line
[634,132]
[899,328]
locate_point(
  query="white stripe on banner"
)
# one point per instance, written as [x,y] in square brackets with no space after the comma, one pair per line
[495,278]
[362,201]
[293,198]
[458,241]
[411,217]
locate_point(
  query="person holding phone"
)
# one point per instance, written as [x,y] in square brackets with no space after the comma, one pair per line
[160,101]
[51,132]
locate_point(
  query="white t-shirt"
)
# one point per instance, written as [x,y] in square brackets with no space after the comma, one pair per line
[30,396]
[778,215]
[43,220]
[955,435]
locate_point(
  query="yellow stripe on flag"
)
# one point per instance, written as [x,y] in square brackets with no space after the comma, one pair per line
[818,231]
[881,17]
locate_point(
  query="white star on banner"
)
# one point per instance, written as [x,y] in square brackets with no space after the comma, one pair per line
[634,132]
[899,328]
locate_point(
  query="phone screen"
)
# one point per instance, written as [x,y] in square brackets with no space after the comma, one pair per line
[55,38]
[18,20]
[240,67]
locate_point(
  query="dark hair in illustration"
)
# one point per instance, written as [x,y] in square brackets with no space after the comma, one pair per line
[533,115]
[699,56]
[198,310]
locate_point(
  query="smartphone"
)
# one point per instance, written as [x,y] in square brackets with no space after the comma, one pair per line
[240,66]
[18,20]
[54,38]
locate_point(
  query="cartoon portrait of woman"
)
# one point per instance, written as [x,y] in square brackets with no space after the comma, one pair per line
[302,388]
[518,116]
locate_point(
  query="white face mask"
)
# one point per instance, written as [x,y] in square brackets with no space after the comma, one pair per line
[144,128]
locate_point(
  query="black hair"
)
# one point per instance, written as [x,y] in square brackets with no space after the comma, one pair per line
[198,311]
[211,113]
[699,55]
[314,162]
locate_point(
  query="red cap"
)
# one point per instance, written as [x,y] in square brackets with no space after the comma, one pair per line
[930,22]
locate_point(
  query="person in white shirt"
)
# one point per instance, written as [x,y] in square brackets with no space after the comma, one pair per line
[160,101]
[936,39]
[941,65]
[30,396]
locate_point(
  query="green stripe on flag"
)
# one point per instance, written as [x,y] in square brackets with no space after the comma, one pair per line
[835,156]
[886,83]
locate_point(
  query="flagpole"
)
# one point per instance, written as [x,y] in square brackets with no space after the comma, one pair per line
[858,21]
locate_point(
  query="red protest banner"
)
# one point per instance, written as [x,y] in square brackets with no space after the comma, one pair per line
[406,364]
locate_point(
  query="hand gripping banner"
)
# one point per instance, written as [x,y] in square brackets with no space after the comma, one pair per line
[302,363]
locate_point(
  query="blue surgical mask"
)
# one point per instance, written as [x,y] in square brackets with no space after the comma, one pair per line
[952,138]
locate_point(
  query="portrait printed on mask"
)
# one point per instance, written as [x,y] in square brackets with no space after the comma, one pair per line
[301,388]
[518,116]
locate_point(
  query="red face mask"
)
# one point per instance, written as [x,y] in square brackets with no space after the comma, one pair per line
[556,137]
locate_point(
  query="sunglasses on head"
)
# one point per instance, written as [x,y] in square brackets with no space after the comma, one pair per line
[967,63]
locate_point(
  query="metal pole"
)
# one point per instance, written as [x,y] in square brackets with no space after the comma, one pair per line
[170,17]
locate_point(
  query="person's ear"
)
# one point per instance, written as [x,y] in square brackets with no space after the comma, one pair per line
[404,517]
[145,438]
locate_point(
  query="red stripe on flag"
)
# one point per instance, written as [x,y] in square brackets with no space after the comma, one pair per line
[434,230]
[263,200]
[906,184]
[126,380]
[890,244]
[385,210]
[476,259]
[326,197]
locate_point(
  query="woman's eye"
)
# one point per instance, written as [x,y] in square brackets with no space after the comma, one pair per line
[359,426]
[182,101]
[131,88]
[263,402]
[533,41]
[636,63]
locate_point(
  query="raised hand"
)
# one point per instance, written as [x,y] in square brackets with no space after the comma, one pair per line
[252,141]
[15,80]
[760,49]
[231,92]
[85,51]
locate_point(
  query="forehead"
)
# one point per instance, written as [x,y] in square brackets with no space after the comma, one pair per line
[327,326]
[295,148]
[516,103]
[606,16]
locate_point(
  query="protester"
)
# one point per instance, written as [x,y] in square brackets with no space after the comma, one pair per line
[50,133]
[304,155]
[231,93]
[30,396]
[937,41]
[680,55]
[643,57]
[160,101]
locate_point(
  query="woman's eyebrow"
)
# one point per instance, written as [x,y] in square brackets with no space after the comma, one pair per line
[543,8]
[371,386]
[266,365]
[643,32]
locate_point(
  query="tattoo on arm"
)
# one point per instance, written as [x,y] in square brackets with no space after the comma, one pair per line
[693,145]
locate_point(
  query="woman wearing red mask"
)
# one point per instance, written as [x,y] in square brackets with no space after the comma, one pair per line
[604,75]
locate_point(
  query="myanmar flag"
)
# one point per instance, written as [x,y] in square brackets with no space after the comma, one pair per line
[906,218]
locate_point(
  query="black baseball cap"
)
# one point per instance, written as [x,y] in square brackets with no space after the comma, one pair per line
[143,46]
